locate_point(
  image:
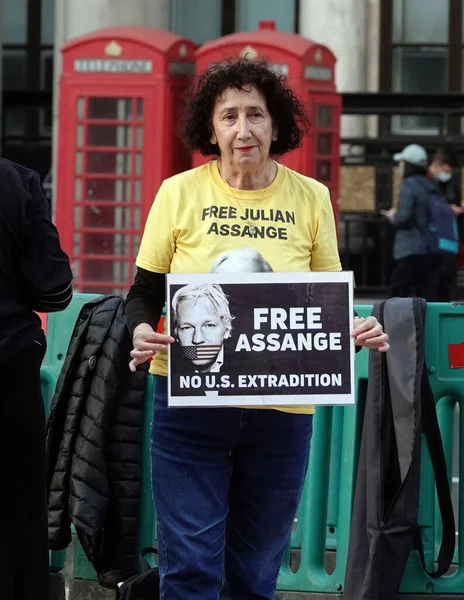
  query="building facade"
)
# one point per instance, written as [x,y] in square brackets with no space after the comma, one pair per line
[387,51]
[398,46]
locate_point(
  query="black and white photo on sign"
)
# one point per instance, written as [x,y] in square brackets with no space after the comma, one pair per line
[260,338]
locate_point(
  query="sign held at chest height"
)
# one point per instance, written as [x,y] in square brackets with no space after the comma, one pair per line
[256,339]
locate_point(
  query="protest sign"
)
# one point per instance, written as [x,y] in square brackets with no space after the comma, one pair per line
[260,339]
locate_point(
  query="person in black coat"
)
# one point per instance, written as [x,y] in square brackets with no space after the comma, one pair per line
[444,169]
[35,275]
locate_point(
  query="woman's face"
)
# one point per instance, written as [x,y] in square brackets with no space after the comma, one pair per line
[242,127]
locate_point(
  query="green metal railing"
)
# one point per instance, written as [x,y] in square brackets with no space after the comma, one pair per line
[315,560]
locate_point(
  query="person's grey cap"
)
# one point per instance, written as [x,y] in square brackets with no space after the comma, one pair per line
[413,154]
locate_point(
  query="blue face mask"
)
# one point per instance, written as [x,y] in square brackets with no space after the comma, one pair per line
[444,177]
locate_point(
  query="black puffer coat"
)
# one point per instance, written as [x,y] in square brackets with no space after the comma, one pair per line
[94,443]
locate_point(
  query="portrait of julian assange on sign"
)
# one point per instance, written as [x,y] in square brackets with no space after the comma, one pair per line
[260,339]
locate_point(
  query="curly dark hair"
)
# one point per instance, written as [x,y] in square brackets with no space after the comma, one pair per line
[447,156]
[286,110]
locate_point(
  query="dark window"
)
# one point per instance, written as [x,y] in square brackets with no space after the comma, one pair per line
[249,14]
[422,50]
[419,22]
[14,69]
[46,69]
[28,82]
[14,122]
[206,20]
[15,16]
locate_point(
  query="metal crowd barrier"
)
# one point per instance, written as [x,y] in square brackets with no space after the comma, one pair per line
[315,560]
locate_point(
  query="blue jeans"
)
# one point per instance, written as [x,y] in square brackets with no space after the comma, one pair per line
[226,484]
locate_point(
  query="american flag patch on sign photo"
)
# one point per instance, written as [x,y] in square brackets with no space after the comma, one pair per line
[202,352]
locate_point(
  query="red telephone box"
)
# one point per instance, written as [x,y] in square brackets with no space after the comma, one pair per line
[119,102]
[310,70]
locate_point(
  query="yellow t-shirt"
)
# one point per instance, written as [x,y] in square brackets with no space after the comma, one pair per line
[196,216]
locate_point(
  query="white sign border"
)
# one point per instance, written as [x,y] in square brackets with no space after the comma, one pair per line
[267,400]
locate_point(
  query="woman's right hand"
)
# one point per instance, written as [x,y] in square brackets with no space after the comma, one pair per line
[146,345]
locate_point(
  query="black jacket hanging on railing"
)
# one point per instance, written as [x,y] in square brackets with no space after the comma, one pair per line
[399,408]
[94,443]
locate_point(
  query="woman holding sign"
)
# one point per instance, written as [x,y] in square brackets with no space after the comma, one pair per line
[227,482]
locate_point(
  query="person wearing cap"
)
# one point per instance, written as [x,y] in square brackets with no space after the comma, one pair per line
[417,272]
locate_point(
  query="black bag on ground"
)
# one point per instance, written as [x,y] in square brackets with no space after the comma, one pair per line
[144,585]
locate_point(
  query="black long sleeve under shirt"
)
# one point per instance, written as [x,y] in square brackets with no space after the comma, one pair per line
[146,299]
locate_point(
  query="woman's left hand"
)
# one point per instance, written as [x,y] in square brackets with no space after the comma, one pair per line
[369,333]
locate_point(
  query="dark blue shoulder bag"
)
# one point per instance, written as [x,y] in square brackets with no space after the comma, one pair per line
[442,230]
